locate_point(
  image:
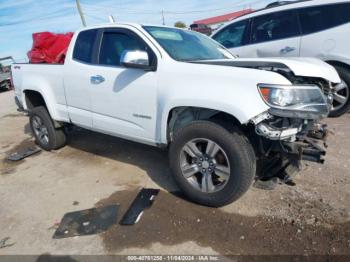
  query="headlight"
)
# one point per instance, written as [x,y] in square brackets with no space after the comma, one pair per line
[306,101]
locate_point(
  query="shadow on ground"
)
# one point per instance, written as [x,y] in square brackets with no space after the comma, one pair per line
[152,160]
[172,220]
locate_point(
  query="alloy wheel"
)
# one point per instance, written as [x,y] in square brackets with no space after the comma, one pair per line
[205,165]
[340,96]
[40,130]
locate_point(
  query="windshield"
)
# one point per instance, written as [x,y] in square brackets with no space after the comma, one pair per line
[184,45]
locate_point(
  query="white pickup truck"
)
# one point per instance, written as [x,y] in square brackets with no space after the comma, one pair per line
[226,121]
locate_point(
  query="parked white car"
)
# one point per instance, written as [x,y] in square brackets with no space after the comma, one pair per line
[224,122]
[318,28]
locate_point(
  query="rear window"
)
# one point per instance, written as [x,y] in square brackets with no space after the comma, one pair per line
[84,46]
[318,18]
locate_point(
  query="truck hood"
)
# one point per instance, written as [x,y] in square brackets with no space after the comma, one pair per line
[306,67]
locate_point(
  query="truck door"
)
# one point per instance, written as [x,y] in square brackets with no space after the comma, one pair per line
[76,83]
[123,100]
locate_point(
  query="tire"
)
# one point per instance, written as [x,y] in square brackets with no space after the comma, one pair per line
[41,123]
[234,147]
[344,108]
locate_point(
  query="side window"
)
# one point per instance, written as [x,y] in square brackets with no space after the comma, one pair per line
[318,18]
[274,26]
[233,35]
[114,44]
[84,46]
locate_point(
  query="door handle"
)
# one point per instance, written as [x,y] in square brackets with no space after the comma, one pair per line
[97,79]
[287,49]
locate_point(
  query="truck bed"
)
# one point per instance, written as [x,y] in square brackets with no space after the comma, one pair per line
[48,77]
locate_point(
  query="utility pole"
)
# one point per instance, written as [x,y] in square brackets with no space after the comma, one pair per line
[81,13]
[111,19]
[163,17]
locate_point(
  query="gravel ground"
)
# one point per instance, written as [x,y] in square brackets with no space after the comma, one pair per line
[312,218]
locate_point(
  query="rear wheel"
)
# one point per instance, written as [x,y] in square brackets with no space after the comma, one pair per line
[341,102]
[44,131]
[211,166]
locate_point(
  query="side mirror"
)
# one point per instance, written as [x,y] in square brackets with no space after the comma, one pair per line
[135,59]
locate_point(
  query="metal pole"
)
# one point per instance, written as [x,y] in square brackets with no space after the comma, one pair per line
[163,17]
[111,19]
[81,13]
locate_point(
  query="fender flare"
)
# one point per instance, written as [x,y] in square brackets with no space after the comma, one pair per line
[162,127]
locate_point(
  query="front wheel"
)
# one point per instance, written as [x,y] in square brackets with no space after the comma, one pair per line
[211,165]
[44,131]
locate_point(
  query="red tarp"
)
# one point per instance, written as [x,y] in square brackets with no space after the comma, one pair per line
[49,47]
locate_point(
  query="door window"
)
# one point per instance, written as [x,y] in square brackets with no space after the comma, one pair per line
[114,44]
[274,26]
[318,18]
[233,35]
[84,44]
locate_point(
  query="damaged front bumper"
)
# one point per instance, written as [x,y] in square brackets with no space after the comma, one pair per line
[282,143]
[306,148]
[299,139]
[289,131]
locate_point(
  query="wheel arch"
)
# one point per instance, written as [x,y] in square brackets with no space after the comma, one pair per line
[338,63]
[34,98]
[180,116]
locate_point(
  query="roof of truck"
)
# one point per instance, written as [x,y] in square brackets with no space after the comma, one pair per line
[136,25]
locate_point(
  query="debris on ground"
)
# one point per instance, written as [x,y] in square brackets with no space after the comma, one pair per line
[143,200]
[3,242]
[87,222]
[23,153]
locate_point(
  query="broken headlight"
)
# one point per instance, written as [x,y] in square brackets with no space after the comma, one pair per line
[302,101]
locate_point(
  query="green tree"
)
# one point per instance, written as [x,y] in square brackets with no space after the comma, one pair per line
[180,24]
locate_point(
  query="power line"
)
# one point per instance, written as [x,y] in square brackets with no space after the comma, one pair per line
[91,8]
[95,17]
[152,12]
[34,19]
